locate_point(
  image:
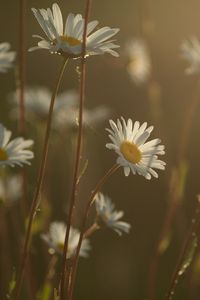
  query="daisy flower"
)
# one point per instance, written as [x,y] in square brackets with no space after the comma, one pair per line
[68,40]
[37,102]
[90,116]
[108,216]
[14,152]
[134,154]
[139,62]
[56,236]
[11,188]
[6,57]
[191,52]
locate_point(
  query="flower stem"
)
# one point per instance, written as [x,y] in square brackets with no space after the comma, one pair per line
[21,66]
[78,150]
[40,177]
[98,187]
[94,227]
[188,240]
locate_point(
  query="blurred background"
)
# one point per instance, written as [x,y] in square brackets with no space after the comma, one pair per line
[139,265]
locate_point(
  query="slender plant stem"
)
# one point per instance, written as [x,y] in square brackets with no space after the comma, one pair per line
[98,187]
[94,227]
[187,242]
[78,150]
[22,65]
[40,177]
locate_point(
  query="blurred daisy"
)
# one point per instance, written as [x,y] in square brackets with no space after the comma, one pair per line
[129,142]
[108,216]
[6,57]
[67,40]
[139,62]
[191,52]
[91,117]
[56,236]
[11,188]
[37,102]
[14,152]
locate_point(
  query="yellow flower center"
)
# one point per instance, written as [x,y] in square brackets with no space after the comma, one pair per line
[3,154]
[60,246]
[70,40]
[131,152]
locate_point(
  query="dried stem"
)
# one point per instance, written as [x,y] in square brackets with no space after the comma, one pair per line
[40,177]
[78,150]
[189,237]
[22,66]
[94,227]
[98,187]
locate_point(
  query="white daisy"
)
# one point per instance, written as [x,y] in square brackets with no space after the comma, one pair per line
[6,57]
[37,102]
[139,62]
[129,142]
[14,152]
[56,236]
[107,215]
[191,52]
[67,40]
[90,116]
[10,188]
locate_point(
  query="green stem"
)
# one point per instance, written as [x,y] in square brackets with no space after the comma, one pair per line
[190,235]
[40,177]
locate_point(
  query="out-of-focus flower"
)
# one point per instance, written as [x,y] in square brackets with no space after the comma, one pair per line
[6,57]
[14,152]
[10,188]
[190,50]
[90,116]
[37,102]
[134,154]
[108,216]
[139,61]
[65,114]
[68,40]
[56,236]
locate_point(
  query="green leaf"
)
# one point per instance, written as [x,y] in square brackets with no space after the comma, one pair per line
[12,285]
[56,297]
[46,292]
[189,255]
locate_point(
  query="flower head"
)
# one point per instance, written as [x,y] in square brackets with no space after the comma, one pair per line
[134,154]
[139,62]
[191,52]
[11,188]
[14,152]
[109,216]
[56,236]
[37,102]
[90,116]
[68,40]
[6,57]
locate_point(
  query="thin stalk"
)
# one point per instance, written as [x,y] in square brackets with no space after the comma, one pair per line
[94,227]
[78,150]
[22,65]
[40,177]
[98,187]
[188,240]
